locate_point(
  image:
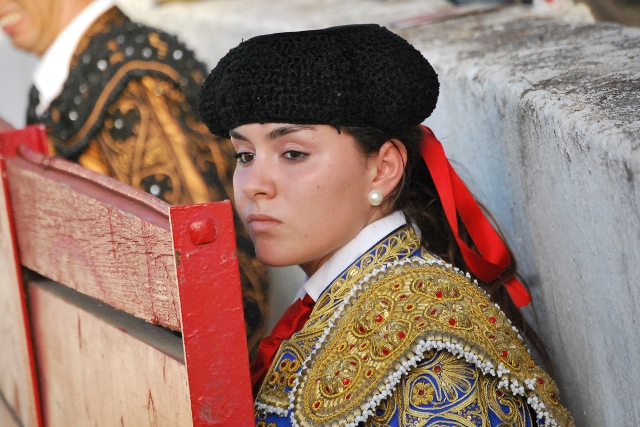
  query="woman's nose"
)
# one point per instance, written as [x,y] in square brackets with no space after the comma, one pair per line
[258,179]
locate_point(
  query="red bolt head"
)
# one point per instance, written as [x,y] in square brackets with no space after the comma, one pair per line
[202,232]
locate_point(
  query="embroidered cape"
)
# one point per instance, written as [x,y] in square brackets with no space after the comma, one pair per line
[400,338]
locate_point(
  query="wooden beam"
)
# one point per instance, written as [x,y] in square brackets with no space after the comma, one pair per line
[103,238]
[212,316]
[99,366]
[18,385]
[7,416]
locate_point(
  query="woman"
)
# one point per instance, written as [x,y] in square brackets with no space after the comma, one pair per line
[335,174]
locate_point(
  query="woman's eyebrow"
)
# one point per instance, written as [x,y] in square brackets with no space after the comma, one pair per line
[237,135]
[287,129]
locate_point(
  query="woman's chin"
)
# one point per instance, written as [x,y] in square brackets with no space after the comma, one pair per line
[273,258]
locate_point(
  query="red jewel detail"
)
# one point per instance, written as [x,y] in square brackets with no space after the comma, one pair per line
[499,393]
[363,345]
[439,294]
[420,285]
[554,396]
[403,296]
[384,302]
[379,318]
[366,357]
[421,393]
[492,320]
[317,379]
[362,330]
[401,335]
[433,312]
[346,382]
[504,354]
[452,322]
[281,379]
[437,369]
[316,405]
[396,286]
[385,351]
[492,337]
[353,363]
[348,396]
[455,293]
[291,380]
[283,364]
[352,346]
[409,306]
[272,377]
[337,373]
[417,318]
[421,325]
[369,372]
[327,389]
[540,381]
[342,347]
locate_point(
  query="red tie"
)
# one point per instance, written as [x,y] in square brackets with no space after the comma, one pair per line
[291,322]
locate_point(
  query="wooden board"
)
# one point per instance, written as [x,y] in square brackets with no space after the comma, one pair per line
[6,416]
[96,235]
[95,370]
[17,371]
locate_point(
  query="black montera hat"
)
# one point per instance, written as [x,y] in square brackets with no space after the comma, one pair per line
[355,75]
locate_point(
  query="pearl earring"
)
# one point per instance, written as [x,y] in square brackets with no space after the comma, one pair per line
[375,197]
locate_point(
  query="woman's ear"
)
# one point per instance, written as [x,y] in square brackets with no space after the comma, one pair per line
[389,163]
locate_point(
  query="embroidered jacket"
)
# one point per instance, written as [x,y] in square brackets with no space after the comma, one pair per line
[129,110]
[401,339]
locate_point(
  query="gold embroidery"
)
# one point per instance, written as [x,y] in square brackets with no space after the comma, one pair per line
[422,393]
[401,306]
[381,327]
[397,246]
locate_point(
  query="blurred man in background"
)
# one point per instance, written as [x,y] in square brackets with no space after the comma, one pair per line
[121,99]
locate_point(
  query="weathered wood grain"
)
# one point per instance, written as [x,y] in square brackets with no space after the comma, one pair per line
[94,369]
[6,418]
[16,369]
[93,234]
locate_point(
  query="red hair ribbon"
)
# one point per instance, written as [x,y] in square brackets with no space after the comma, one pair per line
[493,257]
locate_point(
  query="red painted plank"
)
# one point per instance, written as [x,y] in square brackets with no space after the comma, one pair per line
[33,137]
[16,329]
[212,315]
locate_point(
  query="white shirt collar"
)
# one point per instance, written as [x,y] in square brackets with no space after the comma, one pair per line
[53,69]
[365,240]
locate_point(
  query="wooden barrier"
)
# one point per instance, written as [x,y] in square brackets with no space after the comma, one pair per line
[116,278]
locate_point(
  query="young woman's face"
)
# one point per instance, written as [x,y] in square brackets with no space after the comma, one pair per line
[301,191]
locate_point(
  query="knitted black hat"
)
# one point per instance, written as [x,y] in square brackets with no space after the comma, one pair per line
[355,75]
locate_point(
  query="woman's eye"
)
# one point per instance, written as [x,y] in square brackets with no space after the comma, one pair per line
[244,157]
[294,155]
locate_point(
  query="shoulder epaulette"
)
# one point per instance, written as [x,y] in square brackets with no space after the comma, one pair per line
[113,52]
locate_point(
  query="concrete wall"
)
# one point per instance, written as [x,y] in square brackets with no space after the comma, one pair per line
[542,114]
[544,117]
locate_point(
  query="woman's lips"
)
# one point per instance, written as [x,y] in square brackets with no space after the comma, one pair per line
[259,223]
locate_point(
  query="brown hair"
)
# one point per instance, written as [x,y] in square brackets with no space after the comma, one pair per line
[417,197]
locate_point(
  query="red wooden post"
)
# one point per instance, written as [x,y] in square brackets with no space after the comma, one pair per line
[213,326]
[34,137]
